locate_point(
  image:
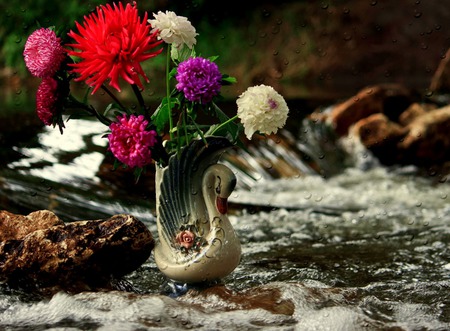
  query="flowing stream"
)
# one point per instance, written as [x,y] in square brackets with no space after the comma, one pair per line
[359,247]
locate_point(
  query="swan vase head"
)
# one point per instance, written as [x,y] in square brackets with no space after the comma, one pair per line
[197,242]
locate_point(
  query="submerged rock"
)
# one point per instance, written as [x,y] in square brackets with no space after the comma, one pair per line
[75,256]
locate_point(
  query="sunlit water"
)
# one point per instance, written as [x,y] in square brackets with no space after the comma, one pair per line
[365,249]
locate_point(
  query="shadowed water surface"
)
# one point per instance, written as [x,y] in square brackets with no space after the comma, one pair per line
[367,248]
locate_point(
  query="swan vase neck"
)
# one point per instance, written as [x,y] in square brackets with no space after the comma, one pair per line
[197,242]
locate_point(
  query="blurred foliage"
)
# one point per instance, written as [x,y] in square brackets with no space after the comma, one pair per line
[21,17]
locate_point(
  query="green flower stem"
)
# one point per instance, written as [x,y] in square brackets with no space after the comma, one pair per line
[117,101]
[169,104]
[200,132]
[232,119]
[139,97]
[89,108]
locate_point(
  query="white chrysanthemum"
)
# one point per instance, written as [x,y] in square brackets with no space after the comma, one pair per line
[262,109]
[173,29]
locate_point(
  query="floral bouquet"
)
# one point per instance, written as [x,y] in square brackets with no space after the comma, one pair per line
[107,50]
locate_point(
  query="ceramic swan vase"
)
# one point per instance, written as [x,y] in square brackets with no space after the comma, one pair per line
[196,242]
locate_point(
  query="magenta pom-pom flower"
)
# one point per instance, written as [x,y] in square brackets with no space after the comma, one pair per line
[43,53]
[199,79]
[130,141]
[47,99]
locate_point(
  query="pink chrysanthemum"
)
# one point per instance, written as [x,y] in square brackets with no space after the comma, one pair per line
[199,79]
[43,53]
[46,100]
[111,44]
[130,141]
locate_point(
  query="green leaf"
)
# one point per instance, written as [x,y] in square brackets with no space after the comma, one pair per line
[213,58]
[137,174]
[230,130]
[161,115]
[112,107]
[228,80]
[173,73]
[78,115]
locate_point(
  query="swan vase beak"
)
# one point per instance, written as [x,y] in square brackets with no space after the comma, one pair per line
[197,242]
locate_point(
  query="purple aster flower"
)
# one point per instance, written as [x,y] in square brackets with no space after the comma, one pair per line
[43,53]
[199,79]
[46,100]
[130,141]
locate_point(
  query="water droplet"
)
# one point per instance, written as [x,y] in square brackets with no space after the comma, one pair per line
[373,3]
[324,5]
[428,93]
[417,14]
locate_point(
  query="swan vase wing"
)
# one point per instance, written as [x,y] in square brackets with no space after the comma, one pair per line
[196,242]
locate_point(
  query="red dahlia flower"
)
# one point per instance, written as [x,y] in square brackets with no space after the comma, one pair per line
[111,44]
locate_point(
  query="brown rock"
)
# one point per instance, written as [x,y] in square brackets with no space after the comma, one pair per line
[380,135]
[389,99]
[77,255]
[377,130]
[428,139]
[14,226]
[265,297]
[440,82]
[414,111]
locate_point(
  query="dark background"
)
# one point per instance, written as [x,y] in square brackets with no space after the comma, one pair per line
[305,49]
